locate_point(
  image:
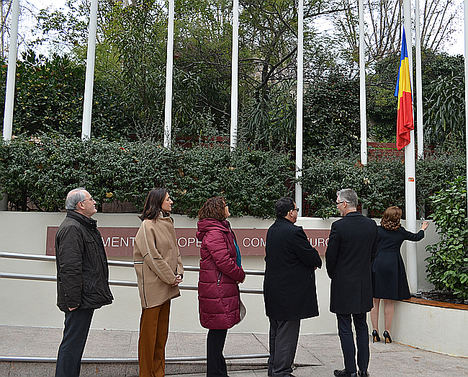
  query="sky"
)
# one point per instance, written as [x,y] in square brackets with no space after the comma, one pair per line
[456,47]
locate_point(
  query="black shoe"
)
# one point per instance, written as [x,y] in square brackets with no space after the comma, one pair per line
[387,337]
[363,374]
[343,373]
[375,336]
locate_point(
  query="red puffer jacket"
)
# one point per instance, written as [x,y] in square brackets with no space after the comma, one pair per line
[218,291]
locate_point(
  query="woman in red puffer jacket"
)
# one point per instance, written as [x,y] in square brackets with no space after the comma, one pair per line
[220,274]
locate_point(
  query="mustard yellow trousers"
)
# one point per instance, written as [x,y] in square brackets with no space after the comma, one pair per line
[154,328]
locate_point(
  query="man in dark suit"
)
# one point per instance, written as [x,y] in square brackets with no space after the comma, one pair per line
[289,285]
[351,249]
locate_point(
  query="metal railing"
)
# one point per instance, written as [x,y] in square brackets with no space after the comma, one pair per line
[123,283]
[107,360]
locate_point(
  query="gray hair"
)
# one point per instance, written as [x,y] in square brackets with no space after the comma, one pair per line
[74,197]
[349,196]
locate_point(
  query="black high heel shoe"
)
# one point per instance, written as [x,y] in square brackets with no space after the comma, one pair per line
[375,336]
[388,338]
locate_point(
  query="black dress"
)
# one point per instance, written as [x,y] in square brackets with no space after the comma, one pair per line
[388,271]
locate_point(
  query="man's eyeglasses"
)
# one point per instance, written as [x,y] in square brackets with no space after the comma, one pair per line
[295,209]
[338,203]
[84,200]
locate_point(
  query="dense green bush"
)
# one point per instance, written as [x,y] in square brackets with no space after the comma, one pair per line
[379,185]
[42,170]
[39,171]
[448,263]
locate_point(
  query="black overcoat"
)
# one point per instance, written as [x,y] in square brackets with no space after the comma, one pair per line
[82,271]
[388,270]
[351,249]
[289,285]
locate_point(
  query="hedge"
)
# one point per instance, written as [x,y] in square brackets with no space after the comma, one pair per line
[37,173]
[379,185]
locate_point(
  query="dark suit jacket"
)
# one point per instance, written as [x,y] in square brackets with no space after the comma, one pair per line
[289,285]
[350,252]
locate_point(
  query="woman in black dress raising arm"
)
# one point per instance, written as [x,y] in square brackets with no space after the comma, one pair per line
[388,271]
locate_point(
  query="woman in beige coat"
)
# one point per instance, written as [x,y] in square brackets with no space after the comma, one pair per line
[159,271]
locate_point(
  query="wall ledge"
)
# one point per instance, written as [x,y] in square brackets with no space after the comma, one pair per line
[439,304]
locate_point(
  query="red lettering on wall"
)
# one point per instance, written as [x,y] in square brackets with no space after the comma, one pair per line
[119,241]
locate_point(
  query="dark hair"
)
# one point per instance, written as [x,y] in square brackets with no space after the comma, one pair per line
[391,218]
[283,206]
[214,208]
[153,204]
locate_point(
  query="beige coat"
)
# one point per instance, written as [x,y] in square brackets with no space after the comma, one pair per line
[157,261]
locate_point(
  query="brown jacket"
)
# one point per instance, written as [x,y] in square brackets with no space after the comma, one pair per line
[157,261]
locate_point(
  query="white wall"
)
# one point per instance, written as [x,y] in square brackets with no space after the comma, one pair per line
[431,328]
[32,303]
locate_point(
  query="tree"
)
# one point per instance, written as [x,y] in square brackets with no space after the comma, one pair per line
[383,20]
[27,10]
[443,99]
[331,115]
[49,98]
[131,57]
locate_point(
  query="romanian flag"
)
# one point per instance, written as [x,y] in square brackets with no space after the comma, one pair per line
[405,101]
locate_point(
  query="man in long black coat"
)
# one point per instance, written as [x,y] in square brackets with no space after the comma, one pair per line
[351,248]
[289,285]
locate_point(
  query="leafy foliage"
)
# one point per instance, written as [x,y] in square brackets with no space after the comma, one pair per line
[446,111]
[49,98]
[443,99]
[41,170]
[379,184]
[331,115]
[270,124]
[448,263]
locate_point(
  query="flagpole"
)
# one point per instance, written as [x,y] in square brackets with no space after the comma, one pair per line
[89,81]
[362,86]
[11,73]
[299,105]
[169,70]
[419,101]
[410,170]
[10,86]
[466,94]
[234,73]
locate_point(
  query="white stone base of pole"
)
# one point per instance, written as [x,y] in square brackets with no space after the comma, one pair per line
[411,262]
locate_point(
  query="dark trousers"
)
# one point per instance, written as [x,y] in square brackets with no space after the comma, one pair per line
[347,341]
[283,343]
[215,363]
[75,333]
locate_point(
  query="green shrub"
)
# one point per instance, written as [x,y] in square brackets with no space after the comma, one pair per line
[379,184]
[40,171]
[448,263]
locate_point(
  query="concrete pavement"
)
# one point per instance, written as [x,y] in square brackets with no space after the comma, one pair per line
[317,355]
